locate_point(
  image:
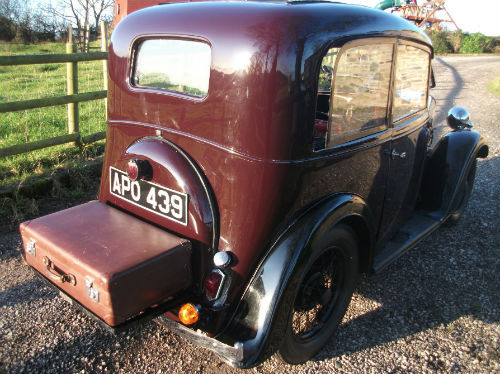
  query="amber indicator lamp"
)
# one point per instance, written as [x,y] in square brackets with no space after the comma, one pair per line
[188,314]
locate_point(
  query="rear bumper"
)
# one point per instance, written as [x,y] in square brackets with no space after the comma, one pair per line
[233,355]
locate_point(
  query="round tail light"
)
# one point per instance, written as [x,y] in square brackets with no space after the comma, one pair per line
[139,169]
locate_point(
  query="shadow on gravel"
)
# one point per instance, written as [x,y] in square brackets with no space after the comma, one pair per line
[63,357]
[89,352]
[446,103]
[8,254]
[453,273]
[8,250]
[31,290]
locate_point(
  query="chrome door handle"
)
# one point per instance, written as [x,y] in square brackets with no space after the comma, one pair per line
[395,154]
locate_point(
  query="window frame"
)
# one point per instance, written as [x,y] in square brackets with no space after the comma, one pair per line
[347,46]
[389,123]
[401,120]
[136,43]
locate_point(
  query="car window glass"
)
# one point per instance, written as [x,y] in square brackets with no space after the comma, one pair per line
[358,106]
[174,65]
[411,79]
[326,70]
[323,99]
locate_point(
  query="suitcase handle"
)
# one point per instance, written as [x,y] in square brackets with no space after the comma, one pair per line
[56,275]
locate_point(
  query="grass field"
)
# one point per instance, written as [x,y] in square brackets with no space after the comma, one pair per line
[26,82]
[494,86]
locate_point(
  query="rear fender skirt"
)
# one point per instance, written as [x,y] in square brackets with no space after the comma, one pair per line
[255,313]
[446,167]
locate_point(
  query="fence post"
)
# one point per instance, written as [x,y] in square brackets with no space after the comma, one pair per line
[104,48]
[72,82]
[86,37]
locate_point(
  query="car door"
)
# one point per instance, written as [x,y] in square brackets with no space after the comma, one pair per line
[409,118]
[352,133]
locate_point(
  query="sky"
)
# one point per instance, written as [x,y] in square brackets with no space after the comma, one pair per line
[470,16]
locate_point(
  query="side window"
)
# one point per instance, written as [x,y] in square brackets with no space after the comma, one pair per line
[323,99]
[326,70]
[411,80]
[358,106]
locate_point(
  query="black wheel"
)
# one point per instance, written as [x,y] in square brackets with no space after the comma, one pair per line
[318,295]
[462,197]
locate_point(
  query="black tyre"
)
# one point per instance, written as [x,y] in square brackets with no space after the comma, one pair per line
[462,197]
[318,295]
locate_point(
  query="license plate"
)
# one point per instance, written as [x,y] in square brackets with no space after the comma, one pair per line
[150,196]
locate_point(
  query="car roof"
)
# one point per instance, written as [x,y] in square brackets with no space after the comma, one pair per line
[274,94]
[299,20]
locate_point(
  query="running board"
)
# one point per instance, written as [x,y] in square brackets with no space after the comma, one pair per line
[416,229]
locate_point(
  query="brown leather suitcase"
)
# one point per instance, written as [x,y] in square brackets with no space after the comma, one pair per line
[112,263]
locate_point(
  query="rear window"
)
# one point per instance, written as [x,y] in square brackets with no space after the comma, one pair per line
[181,66]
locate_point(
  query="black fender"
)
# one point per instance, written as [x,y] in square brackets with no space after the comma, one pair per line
[256,310]
[446,167]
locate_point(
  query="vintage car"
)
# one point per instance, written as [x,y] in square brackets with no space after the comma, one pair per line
[259,157]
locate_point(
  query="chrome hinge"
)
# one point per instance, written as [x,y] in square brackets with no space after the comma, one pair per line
[30,247]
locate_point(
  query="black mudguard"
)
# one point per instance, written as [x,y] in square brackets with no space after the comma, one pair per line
[446,167]
[256,311]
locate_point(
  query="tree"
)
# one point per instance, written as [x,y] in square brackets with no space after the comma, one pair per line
[99,7]
[475,43]
[82,14]
[22,21]
[11,9]
[440,41]
[7,29]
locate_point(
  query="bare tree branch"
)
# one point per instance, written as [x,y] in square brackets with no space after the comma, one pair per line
[100,6]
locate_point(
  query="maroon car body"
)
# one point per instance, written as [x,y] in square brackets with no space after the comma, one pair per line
[250,165]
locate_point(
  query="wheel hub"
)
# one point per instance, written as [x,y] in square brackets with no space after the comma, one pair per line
[315,297]
[313,291]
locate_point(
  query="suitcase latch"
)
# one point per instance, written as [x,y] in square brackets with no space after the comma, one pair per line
[91,291]
[56,274]
[30,247]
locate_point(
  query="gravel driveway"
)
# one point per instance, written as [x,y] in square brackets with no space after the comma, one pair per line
[435,309]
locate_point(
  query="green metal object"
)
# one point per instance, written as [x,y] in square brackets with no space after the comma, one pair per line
[384,4]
